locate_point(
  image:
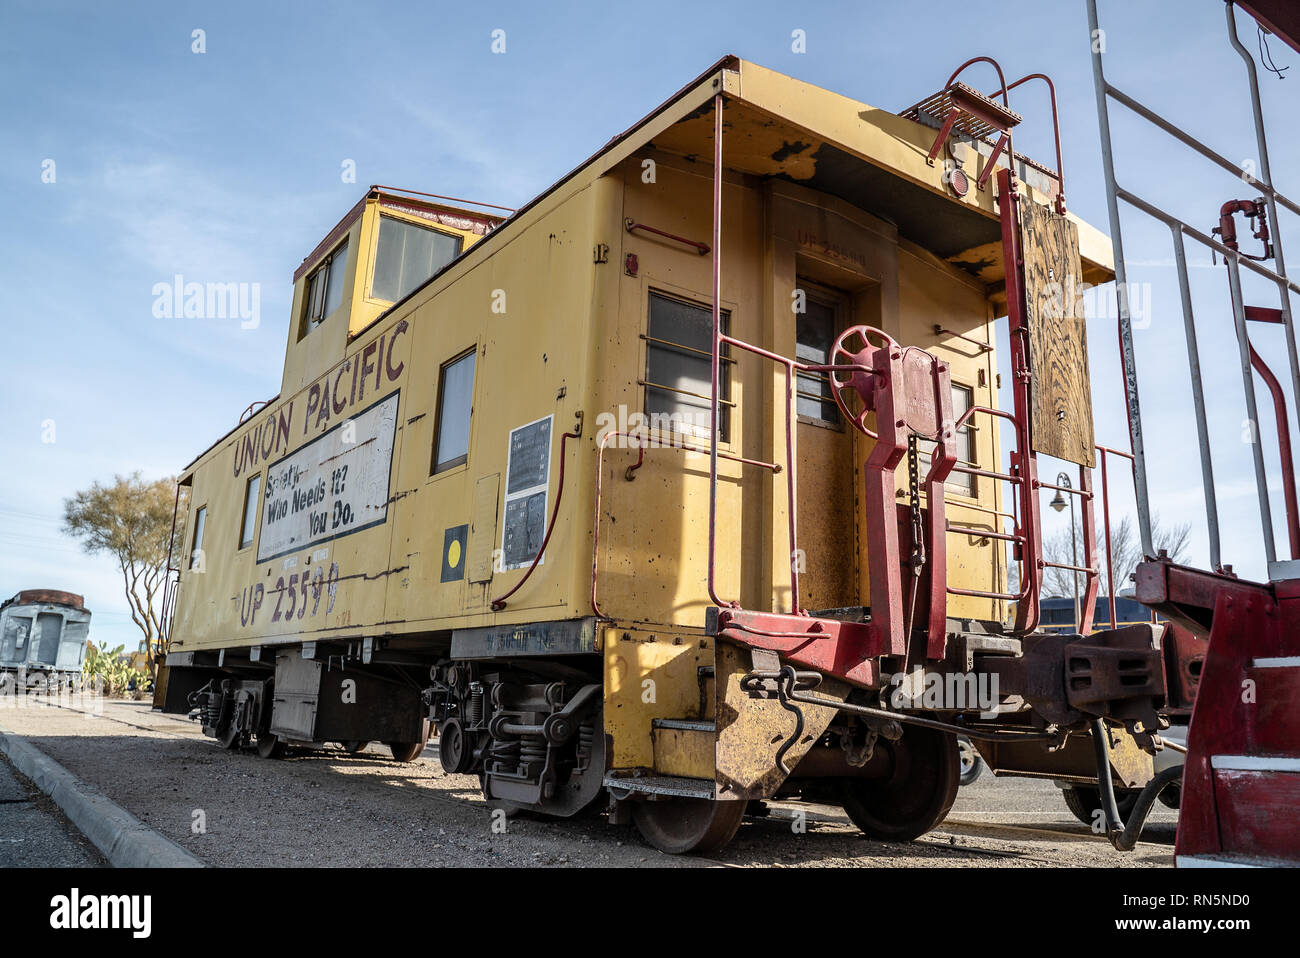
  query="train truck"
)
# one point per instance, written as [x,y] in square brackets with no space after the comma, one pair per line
[686,485]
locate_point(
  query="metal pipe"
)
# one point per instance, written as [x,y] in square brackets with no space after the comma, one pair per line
[439,196]
[984,534]
[1081,493]
[1248,381]
[983,347]
[701,248]
[1198,400]
[1001,77]
[973,471]
[1110,554]
[908,719]
[1284,450]
[1170,220]
[791,490]
[1127,352]
[716,419]
[1056,131]
[1067,567]
[1270,197]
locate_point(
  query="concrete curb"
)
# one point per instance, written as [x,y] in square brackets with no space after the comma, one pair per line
[123,839]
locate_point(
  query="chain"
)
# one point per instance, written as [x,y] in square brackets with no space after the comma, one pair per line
[914,494]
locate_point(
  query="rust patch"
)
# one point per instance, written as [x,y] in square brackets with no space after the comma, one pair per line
[789,149]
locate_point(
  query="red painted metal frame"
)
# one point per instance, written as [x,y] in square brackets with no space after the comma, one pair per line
[982,347]
[1226,811]
[791,366]
[1005,141]
[1056,132]
[1105,523]
[1024,462]
[1263,314]
[849,650]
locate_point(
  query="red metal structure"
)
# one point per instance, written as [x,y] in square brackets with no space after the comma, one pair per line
[1241,785]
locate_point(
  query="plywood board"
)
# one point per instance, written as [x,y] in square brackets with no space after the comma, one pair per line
[1061,404]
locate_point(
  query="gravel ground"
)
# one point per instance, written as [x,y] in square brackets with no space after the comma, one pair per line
[327,808]
[34,832]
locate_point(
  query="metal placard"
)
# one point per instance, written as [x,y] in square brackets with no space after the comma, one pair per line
[528,472]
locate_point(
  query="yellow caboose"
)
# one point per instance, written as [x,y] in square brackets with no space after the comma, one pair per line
[680,485]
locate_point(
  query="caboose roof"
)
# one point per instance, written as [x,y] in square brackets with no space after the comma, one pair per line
[775,126]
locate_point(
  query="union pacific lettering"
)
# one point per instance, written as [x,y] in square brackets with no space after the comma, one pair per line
[345,385]
[265,440]
[329,397]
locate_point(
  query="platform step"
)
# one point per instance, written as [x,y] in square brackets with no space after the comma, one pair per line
[1256,797]
[684,748]
[675,785]
[685,725]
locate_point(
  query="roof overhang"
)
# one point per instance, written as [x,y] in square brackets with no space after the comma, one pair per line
[776,126]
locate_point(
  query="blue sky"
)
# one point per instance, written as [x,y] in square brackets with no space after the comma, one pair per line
[225,167]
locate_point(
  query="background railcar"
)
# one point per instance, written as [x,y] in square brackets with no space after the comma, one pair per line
[43,635]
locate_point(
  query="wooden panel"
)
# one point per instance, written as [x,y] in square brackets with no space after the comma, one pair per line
[1058,343]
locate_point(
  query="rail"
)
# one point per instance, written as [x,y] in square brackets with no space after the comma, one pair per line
[1180,231]
[642,441]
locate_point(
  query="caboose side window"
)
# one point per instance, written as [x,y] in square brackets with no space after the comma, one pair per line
[324,290]
[251,492]
[455,407]
[815,330]
[678,380]
[196,547]
[407,256]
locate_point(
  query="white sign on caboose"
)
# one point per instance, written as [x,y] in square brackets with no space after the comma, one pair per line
[335,485]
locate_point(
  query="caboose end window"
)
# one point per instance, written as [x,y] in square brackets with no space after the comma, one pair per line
[678,381]
[407,256]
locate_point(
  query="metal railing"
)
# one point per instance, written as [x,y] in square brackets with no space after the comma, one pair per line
[1235,260]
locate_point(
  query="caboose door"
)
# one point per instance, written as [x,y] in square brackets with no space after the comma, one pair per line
[49,627]
[825,514]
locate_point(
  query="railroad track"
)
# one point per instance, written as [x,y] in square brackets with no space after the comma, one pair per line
[955,835]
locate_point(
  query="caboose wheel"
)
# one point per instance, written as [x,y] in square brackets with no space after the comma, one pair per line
[916,794]
[353,746]
[228,738]
[406,751]
[680,826]
[270,746]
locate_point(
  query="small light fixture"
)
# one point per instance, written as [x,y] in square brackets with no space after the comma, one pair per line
[1059,502]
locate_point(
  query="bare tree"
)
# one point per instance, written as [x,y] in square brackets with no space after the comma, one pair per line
[131,520]
[1126,553]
